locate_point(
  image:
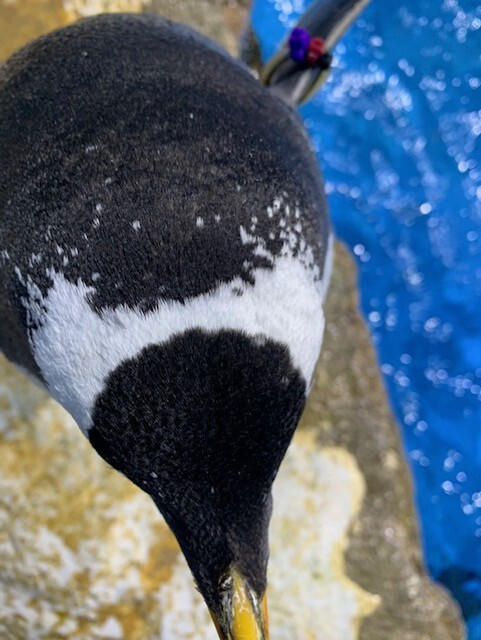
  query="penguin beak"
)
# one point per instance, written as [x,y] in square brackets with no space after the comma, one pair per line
[243,615]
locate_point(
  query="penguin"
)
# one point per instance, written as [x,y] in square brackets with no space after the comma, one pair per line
[164,257]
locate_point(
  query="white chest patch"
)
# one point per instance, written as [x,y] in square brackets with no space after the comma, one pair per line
[76,348]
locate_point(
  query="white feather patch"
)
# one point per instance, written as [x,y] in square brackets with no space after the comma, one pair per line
[76,348]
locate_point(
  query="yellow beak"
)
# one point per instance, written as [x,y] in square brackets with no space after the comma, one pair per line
[244,616]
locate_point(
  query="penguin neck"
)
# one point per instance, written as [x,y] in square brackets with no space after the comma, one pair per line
[202,423]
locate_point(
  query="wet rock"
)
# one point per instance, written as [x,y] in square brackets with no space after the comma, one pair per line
[84,554]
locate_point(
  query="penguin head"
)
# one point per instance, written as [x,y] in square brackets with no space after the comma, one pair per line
[202,423]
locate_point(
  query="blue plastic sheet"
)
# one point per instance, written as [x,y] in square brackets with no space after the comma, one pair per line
[397,130]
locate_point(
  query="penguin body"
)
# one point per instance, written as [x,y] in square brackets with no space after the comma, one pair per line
[163,260]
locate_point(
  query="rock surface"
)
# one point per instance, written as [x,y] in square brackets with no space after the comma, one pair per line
[84,554]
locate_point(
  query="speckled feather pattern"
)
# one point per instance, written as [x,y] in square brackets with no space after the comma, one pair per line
[132,165]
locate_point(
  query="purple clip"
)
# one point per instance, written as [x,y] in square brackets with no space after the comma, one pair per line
[299,43]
